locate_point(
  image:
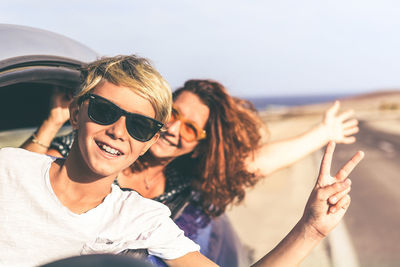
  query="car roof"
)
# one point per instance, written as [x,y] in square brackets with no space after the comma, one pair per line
[21,40]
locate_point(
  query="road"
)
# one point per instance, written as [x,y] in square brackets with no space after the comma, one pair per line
[373,219]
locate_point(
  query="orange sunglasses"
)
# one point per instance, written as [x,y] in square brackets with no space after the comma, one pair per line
[189,130]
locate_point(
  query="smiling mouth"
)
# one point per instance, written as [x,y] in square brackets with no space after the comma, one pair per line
[166,141]
[108,149]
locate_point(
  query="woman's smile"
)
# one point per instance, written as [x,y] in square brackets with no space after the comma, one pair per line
[171,144]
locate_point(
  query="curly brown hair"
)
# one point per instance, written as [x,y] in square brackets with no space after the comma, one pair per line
[218,161]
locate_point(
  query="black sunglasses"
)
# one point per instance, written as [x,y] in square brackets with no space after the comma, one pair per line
[105,112]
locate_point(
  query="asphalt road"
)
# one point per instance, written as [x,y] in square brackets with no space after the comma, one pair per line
[373,219]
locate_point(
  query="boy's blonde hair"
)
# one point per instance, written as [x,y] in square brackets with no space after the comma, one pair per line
[134,72]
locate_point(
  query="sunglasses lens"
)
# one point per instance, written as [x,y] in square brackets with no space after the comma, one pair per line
[141,128]
[188,132]
[102,112]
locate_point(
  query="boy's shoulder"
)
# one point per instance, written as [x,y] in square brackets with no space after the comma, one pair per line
[14,151]
[21,156]
[5,150]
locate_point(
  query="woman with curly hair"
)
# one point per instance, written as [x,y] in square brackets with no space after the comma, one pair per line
[211,151]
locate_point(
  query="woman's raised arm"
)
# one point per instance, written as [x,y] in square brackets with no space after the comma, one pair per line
[276,155]
[59,113]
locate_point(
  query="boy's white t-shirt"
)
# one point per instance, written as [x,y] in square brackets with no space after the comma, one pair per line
[35,228]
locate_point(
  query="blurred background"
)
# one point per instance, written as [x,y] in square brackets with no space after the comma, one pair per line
[255,48]
[288,57]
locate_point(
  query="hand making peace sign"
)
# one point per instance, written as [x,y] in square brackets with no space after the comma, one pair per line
[329,199]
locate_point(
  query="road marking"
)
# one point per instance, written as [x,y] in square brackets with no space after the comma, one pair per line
[342,250]
[386,147]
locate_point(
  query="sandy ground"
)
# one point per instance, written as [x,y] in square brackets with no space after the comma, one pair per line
[274,206]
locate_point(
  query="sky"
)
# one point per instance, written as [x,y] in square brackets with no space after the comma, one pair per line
[253,47]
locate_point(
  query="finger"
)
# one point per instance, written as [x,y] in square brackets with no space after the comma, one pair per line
[338,196]
[328,191]
[59,91]
[67,94]
[350,131]
[349,166]
[68,98]
[348,140]
[333,109]
[350,123]
[344,203]
[346,115]
[326,163]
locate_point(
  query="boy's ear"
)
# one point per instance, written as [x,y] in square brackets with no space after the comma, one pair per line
[74,114]
[150,143]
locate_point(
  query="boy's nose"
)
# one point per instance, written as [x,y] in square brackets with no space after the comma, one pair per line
[118,129]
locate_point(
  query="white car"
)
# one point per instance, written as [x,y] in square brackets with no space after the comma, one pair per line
[32,63]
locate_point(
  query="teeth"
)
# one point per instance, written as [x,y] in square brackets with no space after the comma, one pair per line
[110,150]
